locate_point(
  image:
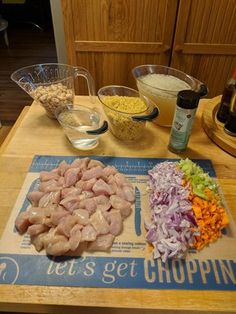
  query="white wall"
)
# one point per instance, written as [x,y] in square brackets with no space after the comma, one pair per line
[58,27]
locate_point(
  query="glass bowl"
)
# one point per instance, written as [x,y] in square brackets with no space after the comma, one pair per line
[51,84]
[82,125]
[161,84]
[126,111]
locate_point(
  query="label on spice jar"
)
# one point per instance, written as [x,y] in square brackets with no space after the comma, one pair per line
[181,128]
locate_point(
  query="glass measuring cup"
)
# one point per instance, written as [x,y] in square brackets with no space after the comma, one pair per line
[161,84]
[52,84]
[126,111]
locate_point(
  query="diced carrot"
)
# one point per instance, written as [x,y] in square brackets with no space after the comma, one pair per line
[197,211]
[225,220]
[210,217]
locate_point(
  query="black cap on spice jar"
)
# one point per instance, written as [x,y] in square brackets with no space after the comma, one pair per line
[188,99]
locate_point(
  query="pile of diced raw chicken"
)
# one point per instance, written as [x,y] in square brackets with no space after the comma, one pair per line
[84,202]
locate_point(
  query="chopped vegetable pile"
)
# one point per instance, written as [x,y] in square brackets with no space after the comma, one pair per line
[186,209]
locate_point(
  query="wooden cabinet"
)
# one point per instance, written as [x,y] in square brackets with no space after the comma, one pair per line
[205,41]
[110,37]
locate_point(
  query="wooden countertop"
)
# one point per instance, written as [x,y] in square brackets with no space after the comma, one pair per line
[36,134]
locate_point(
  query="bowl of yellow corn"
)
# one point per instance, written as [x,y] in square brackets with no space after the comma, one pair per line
[127,111]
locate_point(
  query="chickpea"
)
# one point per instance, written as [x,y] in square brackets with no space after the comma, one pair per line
[43,98]
[52,96]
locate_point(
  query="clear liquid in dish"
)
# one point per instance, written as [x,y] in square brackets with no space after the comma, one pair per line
[75,124]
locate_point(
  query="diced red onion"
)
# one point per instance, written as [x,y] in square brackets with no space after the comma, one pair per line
[172,225]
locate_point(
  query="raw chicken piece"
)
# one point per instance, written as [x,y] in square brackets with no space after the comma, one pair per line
[70,202]
[86,194]
[70,191]
[127,193]
[71,176]
[75,237]
[52,237]
[115,222]
[76,163]
[80,184]
[109,170]
[34,230]
[49,186]
[88,185]
[59,248]
[63,166]
[102,202]
[111,181]
[95,172]
[125,212]
[66,224]
[36,215]
[102,243]
[34,197]
[48,210]
[120,179]
[22,222]
[84,164]
[89,204]
[48,222]
[85,185]
[118,202]
[46,175]
[61,182]
[57,215]
[88,233]
[121,204]
[49,198]
[99,223]
[94,163]
[82,216]
[81,163]
[37,241]
[101,187]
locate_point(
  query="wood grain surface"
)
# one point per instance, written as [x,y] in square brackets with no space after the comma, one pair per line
[110,37]
[117,36]
[215,130]
[204,42]
[38,134]
[4,130]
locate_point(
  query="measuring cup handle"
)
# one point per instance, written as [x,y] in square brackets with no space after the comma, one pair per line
[100,130]
[80,71]
[202,89]
[149,117]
